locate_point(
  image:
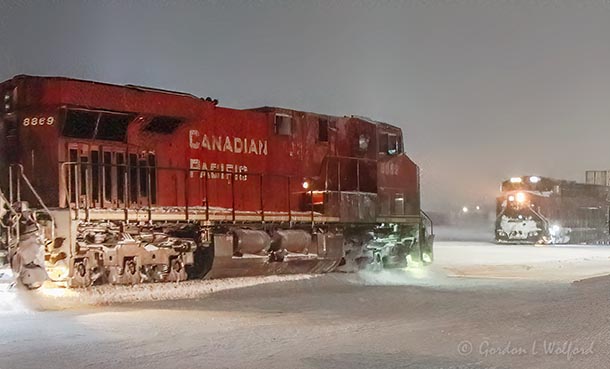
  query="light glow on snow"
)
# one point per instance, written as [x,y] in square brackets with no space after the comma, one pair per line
[426,258]
[49,297]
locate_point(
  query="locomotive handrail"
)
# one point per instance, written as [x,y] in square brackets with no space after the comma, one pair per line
[429,220]
[15,221]
[544,219]
[63,184]
[338,158]
[34,192]
[10,207]
[192,191]
[68,191]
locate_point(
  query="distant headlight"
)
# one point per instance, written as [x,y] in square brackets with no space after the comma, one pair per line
[520,197]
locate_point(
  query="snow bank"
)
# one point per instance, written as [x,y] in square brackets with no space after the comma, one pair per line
[53,298]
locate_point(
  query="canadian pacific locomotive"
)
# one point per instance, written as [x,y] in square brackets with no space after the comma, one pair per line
[125,184]
[534,209]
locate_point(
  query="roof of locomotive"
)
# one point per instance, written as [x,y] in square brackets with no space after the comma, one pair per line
[544,183]
[265,109]
[135,87]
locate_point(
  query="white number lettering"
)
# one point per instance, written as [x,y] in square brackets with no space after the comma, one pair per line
[38,121]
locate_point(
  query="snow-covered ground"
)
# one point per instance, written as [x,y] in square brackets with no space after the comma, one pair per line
[479,306]
[554,263]
[468,264]
[53,298]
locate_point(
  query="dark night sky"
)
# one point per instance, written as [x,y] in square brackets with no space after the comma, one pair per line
[483,90]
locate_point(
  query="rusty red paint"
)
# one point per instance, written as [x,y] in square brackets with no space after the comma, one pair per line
[268,168]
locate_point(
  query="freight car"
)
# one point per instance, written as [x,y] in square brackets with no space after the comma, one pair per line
[534,210]
[126,184]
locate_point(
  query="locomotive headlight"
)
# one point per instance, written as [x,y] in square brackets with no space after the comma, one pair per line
[511,198]
[306,185]
[520,197]
[59,271]
[516,180]
[534,179]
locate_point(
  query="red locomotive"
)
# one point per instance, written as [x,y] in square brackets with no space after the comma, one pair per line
[129,184]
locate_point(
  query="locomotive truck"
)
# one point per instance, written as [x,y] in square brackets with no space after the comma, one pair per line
[541,210]
[114,184]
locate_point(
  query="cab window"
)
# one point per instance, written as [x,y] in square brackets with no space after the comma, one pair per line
[389,143]
[283,125]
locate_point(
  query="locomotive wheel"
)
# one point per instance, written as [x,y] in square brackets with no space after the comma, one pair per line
[131,267]
[81,270]
[177,265]
[81,275]
[131,273]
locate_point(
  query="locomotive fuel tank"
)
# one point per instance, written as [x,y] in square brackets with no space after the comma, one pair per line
[248,241]
[295,241]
